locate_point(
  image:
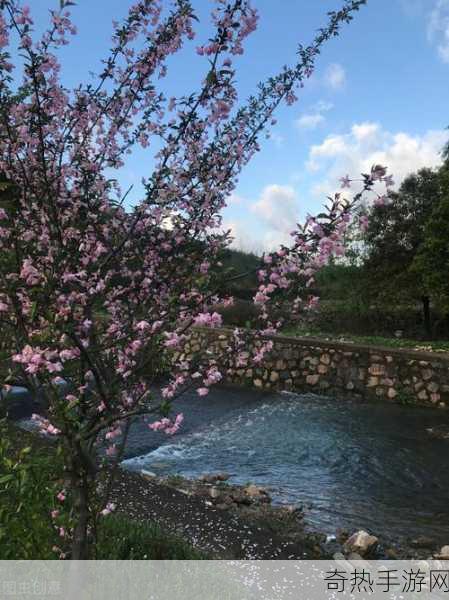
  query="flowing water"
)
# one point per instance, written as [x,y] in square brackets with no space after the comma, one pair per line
[351,464]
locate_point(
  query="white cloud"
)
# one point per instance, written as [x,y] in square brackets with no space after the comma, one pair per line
[438,28]
[365,131]
[243,237]
[277,207]
[315,117]
[335,76]
[273,240]
[367,144]
[435,13]
[309,121]
[270,220]
[323,106]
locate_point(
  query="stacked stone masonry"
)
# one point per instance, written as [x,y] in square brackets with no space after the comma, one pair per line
[324,367]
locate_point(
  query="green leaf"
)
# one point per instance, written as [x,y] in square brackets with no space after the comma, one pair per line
[33,310]
[6,479]
[165,408]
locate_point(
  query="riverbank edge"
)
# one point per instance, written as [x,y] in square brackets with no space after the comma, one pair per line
[218,534]
[196,511]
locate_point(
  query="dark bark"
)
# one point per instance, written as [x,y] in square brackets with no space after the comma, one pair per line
[80,549]
[80,491]
[426,315]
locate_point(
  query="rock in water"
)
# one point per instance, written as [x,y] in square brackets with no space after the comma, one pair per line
[257,493]
[148,474]
[214,493]
[361,542]
[212,478]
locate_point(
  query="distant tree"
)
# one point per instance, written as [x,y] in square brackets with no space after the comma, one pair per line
[395,234]
[432,261]
[245,264]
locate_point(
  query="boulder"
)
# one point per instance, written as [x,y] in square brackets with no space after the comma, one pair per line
[148,474]
[18,403]
[443,553]
[214,493]
[440,432]
[239,497]
[342,536]
[214,477]
[422,542]
[256,493]
[361,543]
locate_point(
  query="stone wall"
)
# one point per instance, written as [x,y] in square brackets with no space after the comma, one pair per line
[320,366]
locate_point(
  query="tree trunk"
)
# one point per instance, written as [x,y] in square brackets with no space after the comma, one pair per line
[79,544]
[80,491]
[426,314]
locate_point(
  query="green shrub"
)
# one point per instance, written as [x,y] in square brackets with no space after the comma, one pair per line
[242,313]
[28,486]
[30,478]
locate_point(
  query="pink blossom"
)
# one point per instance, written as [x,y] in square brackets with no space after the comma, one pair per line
[380,201]
[51,430]
[260,298]
[345,182]
[172,340]
[167,426]
[30,273]
[363,222]
[208,320]
[110,507]
[69,354]
[204,267]
[142,326]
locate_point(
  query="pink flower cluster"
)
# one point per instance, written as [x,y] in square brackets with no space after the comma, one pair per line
[167,425]
[38,360]
[208,320]
[45,426]
[108,509]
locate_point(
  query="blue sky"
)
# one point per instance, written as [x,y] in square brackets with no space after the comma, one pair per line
[379,94]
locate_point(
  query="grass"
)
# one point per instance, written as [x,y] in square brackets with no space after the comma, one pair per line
[428,346]
[120,538]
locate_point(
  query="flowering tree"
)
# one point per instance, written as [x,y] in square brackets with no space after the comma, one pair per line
[93,295]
